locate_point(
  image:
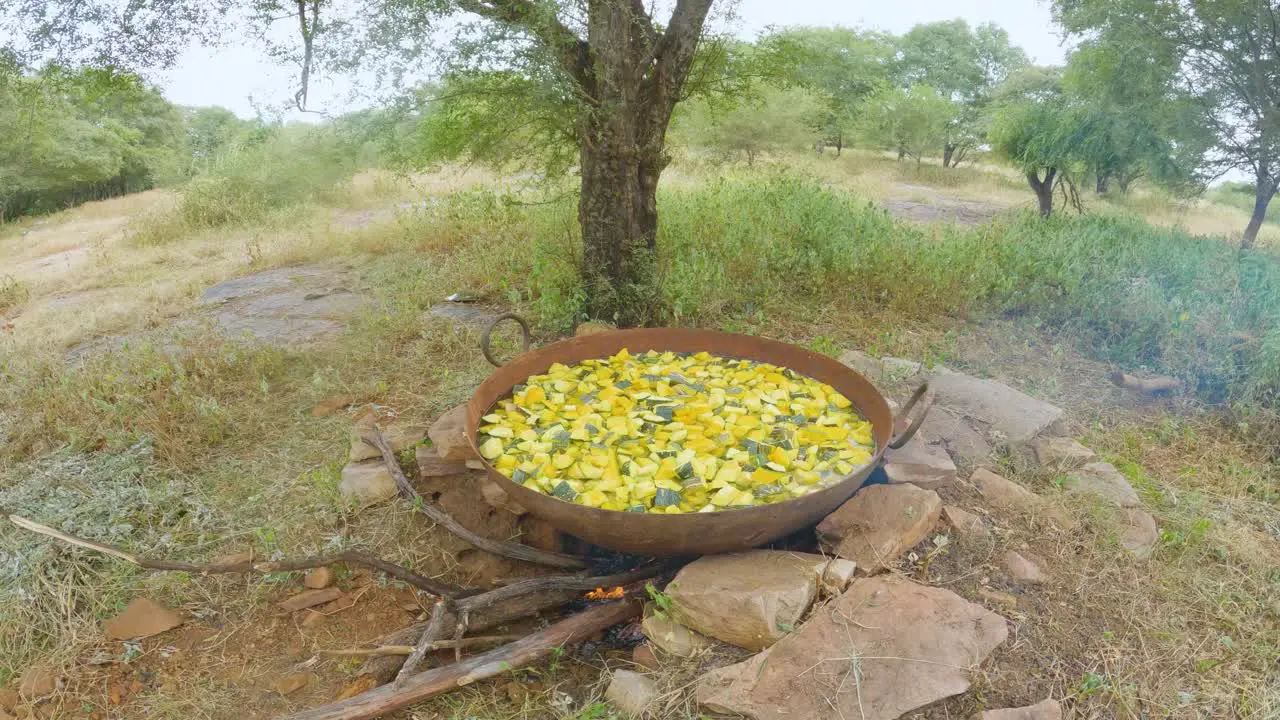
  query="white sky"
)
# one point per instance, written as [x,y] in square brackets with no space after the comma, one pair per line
[241,78]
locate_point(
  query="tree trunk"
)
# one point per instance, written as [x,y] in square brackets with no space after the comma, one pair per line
[1043,189]
[948,150]
[1265,190]
[839,143]
[902,152]
[1103,181]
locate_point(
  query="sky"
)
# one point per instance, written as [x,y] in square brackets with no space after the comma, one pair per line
[243,80]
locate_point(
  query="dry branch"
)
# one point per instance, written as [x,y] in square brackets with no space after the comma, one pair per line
[403,650]
[354,557]
[435,628]
[518,654]
[515,551]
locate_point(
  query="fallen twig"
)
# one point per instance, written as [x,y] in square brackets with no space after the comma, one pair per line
[515,551]
[354,557]
[385,650]
[385,699]
[1158,385]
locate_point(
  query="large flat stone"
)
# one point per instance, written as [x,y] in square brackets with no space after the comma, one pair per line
[1102,480]
[752,599]
[964,443]
[449,436]
[1007,495]
[920,462]
[1059,454]
[879,524]
[910,644]
[1043,710]
[1014,415]
[1138,532]
[142,619]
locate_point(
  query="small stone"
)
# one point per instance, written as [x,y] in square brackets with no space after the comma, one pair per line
[516,693]
[37,681]
[1104,481]
[310,598]
[475,464]
[431,465]
[673,638]
[498,498]
[644,657]
[752,599]
[879,524]
[400,435]
[1023,570]
[143,618]
[234,559]
[449,437]
[367,483]
[1043,710]
[1138,532]
[364,683]
[631,692]
[9,699]
[331,405]
[318,578]
[964,522]
[590,328]
[291,683]
[1060,454]
[1009,495]
[921,463]
[997,597]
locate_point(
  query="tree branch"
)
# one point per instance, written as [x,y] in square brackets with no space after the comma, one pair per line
[673,56]
[354,557]
[572,52]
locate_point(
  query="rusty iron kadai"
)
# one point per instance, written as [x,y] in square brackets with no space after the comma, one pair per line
[696,533]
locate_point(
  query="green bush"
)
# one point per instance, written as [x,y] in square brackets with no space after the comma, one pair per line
[1134,294]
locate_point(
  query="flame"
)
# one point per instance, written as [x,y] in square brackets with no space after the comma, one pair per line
[616,593]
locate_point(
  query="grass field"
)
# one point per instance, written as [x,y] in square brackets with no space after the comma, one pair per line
[204,446]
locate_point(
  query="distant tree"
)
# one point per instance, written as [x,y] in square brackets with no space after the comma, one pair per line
[1037,129]
[1228,57]
[841,67]
[912,122]
[774,120]
[963,65]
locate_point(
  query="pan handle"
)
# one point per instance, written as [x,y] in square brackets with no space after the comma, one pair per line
[902,438]
[484,339]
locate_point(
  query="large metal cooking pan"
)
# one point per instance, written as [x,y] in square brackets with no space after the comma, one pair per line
[694,533]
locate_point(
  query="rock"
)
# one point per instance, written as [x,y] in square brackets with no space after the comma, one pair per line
[9,699]
[318,578]
[497,497]
[672,637]
[234,559]
[1008,495]
[882,370]
[1023,570]
[1138,532]
[591,328]
[291,683]
[997,597]
[923,464]
[37,681]
[962,441]
[1060,454]
[866,365]
[880,523]
[754,598]
[631,692]
[399,435]
[1043,710]
[964,522]
[914,643]
[331,405]
[367,483]
[310,598]
[448,435]
[467,313]
[1017,417]
[431,465]
[644,657]
[363,683]
[1105,482]
[143,618]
